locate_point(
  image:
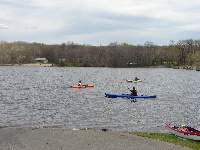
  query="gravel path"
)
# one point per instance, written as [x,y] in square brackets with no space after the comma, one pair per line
[63,139]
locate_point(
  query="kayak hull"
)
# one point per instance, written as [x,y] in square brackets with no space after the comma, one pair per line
[135,81]
[128,96]
[82,86]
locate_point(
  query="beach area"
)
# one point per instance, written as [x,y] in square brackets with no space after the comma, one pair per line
[50,138]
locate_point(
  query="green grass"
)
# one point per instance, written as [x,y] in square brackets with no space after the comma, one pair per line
[170,138]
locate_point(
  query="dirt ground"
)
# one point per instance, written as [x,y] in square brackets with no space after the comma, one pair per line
[64,139]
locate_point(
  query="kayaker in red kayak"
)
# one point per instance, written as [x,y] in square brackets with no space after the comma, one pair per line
[79,83]
[183,128]
[134,92]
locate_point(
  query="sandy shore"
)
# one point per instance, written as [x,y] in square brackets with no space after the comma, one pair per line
[63,139]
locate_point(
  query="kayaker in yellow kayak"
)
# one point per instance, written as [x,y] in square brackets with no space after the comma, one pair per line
[136,79]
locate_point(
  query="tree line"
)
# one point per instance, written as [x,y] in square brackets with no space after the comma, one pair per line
[183,52]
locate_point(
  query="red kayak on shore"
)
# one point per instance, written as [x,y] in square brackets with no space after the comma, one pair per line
[184,131]
[82,86]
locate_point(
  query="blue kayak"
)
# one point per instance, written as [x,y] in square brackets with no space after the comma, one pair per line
[129,96]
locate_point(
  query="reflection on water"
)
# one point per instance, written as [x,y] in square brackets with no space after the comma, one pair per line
[36,96]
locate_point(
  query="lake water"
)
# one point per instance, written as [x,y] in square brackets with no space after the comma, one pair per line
[40,96]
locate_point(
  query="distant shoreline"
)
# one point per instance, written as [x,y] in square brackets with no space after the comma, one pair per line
[54,65]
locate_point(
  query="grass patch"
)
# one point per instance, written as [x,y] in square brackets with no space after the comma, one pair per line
[170,138]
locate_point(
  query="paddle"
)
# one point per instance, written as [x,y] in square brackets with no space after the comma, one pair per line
[129,90]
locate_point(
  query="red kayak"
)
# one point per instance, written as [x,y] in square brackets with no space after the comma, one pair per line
[184,131]
[82,86]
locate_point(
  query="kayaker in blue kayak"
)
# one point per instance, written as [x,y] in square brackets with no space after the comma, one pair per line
[79,83]
[134,92]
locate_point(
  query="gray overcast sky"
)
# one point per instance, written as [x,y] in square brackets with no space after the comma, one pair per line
[99,22]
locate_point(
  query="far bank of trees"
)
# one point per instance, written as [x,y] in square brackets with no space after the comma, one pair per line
[183,52]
